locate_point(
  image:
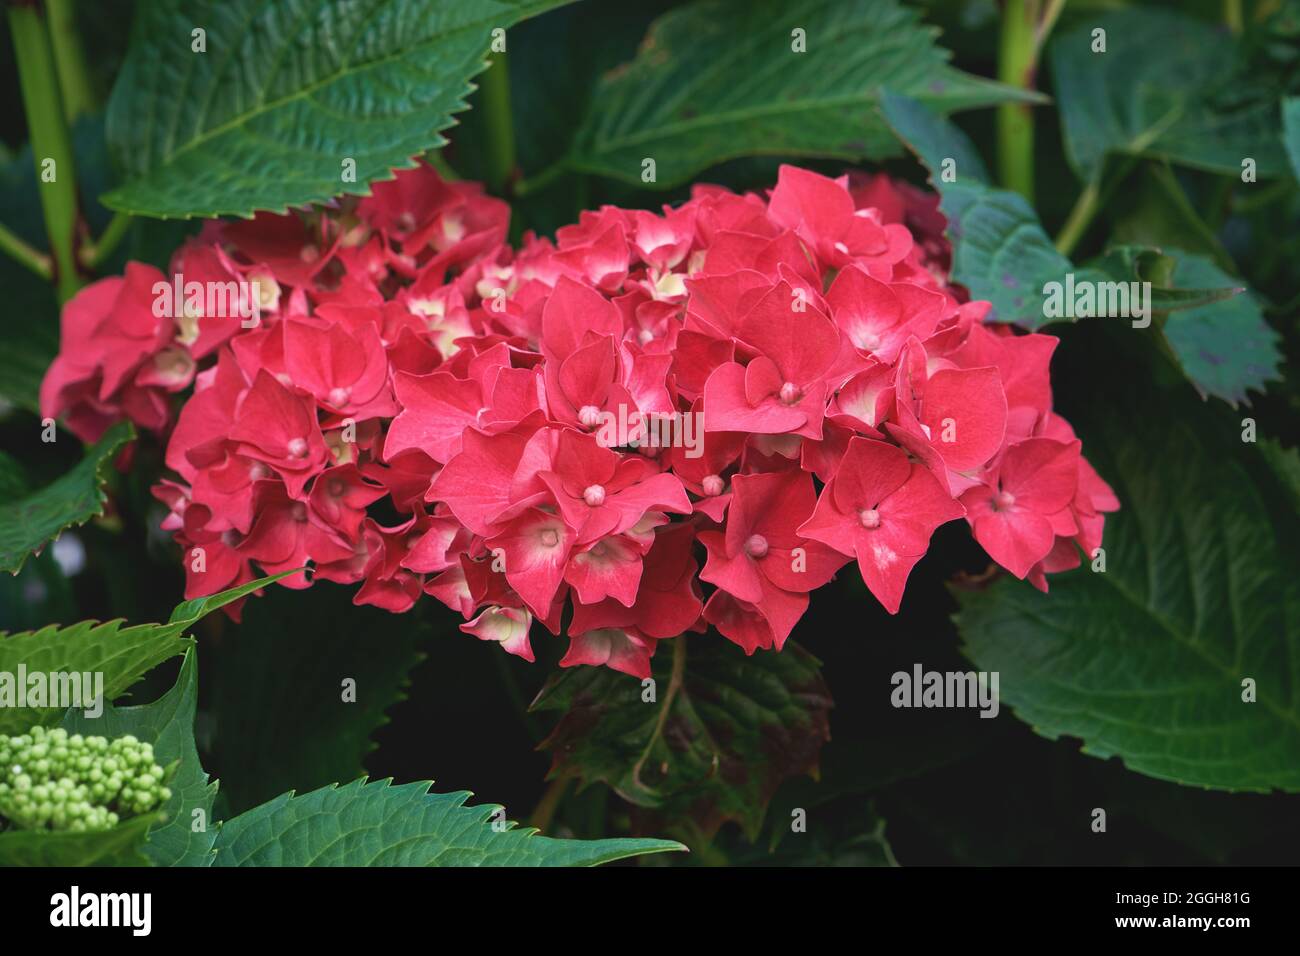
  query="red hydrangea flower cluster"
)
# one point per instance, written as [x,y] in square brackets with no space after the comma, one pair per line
[779,386]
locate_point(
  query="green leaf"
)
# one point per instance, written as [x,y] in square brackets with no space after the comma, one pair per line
[847,832]
[29,520]
[188,612]
[1285,463]
[286,92]
[1169,85]
[274,734]
[120,846]
[31,344]
[168,724]
[999,250]
[1291,131]
[1129,263]
[377,824]
[1146,660]
[721,736]
[1225,348]
[1001,253]
[121,654]
[1156,212]
[719,79]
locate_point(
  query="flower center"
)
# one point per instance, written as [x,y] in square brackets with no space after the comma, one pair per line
[870,518]
[299,511]
[756,546]
[297,447]
[1003,500]
[335,488]
[589,416]
[790,393]
[550,537]
[594,495]
[339,396]
[713,485]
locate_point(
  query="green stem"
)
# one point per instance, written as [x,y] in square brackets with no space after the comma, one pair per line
[675,679]
[93,255]
[1262,198]
[1093,198]
[13,245]
[516,696]
[439,162]
[48,133]
[524,187]
[1232,15]
[1015,123]
[70,60]
[499,125]
[1080,218]
[1054,8]
[550,802]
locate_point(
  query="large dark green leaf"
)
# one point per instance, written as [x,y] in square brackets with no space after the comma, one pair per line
[376,824]
[1168,85]
[274,734]
[1201,592]
[719,79]
[182,839]
[30,519]
[721,735]
[288,90]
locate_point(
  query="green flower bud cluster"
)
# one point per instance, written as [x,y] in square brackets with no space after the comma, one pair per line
[53,780]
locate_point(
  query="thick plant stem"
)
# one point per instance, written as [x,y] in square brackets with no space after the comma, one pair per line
[500,128]
[1026,25]
[1017,59]
[56,175]
[14,247]
[70,60]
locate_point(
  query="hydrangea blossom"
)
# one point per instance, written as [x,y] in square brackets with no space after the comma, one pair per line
[658,421]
